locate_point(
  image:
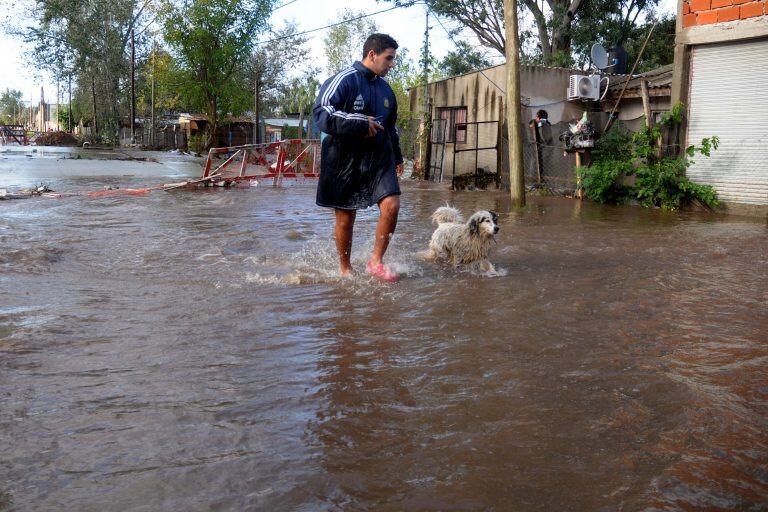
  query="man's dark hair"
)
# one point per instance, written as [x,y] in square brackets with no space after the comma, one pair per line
[378,43]
[542,114]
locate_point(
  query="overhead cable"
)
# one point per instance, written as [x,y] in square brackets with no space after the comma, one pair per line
[291,36]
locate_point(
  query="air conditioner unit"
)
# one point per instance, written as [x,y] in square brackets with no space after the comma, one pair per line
[581,87]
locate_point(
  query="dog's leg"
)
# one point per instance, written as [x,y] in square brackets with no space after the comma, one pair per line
[487,267]
[428,255]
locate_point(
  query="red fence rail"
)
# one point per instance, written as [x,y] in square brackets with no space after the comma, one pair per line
[290,158]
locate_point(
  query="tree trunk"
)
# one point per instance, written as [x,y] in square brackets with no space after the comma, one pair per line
[514,130]
[133,89]
[213,124]
[95,124]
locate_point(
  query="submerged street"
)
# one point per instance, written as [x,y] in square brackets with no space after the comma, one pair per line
[194,350]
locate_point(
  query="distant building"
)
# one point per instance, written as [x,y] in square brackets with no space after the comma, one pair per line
[274,128]
[232,130]
[43,117]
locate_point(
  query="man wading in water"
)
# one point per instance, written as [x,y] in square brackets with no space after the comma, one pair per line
[361,158]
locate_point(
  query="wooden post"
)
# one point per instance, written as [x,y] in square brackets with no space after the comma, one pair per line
[152,103]
[579,190]
[646,103]
[649,116]
[500,143]
[257,114]
[514,130]
[133,87]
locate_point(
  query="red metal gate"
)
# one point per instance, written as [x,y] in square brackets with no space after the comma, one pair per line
[290,158]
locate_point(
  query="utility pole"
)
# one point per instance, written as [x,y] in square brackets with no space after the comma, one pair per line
[256,91]
[426,61]
[152,102]
[69,108]
[514,121]
[95,124]
[425,126]
[58,99]
[41,112]
[133,87]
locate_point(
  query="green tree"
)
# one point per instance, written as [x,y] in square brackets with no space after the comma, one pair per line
[561,28]
[212,41]
[158,66]
[11,107]
[401,78]
[615,23]
[88,42]
[272,62]
[344,43]
[464,59]
[660,50]
[299,97]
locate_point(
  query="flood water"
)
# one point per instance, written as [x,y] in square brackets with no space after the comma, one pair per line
[196,351]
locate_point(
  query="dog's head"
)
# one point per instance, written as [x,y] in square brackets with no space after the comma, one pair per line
[484,223]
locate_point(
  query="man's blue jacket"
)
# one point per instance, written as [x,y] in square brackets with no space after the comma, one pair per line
[357,171]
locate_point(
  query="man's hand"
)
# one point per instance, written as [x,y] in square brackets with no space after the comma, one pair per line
[373,126]
[399,170]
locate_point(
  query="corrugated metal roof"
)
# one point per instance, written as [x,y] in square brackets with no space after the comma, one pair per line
[282,121]
[203,117]
[659,77]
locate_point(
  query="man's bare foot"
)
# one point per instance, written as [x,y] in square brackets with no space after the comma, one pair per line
[381,271]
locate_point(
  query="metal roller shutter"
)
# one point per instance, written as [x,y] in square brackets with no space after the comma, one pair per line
[729,98]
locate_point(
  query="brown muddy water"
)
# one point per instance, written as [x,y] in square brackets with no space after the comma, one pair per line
[195,351]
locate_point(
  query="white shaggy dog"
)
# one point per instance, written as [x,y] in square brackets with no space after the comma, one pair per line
[463,243]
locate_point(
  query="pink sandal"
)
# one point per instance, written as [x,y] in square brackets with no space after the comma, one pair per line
[381,271]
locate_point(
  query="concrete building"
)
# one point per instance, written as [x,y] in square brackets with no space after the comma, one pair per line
[274,127]
[44,117]
[467,135]
[721,74]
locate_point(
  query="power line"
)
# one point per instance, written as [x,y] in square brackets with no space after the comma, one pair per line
[289,2]
[329,26]
[503,92]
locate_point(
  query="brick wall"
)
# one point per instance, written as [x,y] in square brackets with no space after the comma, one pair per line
[704,12]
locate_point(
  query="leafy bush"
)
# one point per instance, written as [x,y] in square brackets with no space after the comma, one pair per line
[196,143]
[660,181]
[602,181]
[611,161]
[289,132]
[98,140]
[663,183]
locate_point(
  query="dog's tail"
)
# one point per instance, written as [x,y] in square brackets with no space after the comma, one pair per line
[447,214]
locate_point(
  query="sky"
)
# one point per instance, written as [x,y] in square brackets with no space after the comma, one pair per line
[406,25]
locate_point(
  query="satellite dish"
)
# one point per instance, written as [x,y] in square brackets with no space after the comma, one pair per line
[599,56]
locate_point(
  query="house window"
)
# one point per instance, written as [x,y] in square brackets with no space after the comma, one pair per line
[452,124]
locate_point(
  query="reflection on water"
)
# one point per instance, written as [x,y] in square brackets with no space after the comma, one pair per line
[196,351]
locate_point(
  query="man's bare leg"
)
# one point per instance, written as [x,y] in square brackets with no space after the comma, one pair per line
[345,222]
[389,207]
